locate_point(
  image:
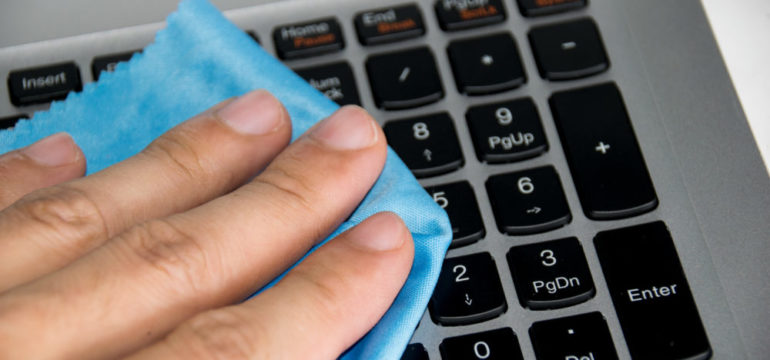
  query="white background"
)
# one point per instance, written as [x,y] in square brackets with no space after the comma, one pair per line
[742,28]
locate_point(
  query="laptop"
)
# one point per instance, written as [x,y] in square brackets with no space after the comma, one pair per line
[606,194]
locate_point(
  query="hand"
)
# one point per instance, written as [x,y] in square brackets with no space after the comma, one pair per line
[151,257]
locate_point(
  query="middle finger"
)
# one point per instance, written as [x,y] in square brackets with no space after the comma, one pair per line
[198,160]
[156,275]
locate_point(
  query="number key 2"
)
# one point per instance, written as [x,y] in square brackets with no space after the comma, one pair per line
[488,345]
[551,274]
[468,291]
[528,201]
[428,145]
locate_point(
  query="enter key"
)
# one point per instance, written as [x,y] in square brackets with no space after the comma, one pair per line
[650,293]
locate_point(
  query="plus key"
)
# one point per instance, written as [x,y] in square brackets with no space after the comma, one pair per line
[603,155]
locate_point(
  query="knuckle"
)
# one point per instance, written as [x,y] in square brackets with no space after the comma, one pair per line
[327,288]
[177,256]
[179,154]
[67,211]
[220,334]
[290,185]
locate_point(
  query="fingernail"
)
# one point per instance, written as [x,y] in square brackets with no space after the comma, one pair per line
[55,150]
[255,113]
[381,232]
[349,128]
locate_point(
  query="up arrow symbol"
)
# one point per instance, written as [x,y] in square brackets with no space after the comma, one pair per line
[427,154]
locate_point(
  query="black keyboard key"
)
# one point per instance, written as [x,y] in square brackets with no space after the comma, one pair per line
[545,7]
[389,25]
[650,292]
[506,131]
[580,337]
[489,345]
[335,81]
[604,157]
[568,50]
[43,84]
[460,204]
[253,36]
[551,274]
[404,79]
[468,291]
[108,62]
[308,39]
[9,122]
[466,14]
[486,65]
[528,201]
[415,352]
[428,145]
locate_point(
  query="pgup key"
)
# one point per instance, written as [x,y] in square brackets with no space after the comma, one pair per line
[506,131]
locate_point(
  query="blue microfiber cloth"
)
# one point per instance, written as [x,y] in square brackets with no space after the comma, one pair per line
[198,60]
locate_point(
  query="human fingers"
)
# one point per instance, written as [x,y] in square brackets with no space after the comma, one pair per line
[202,158]
[317,311]
[50,161]
[143,283]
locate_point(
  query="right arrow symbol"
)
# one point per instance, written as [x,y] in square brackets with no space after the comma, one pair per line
[534,210]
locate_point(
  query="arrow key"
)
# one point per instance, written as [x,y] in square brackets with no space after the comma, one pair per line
[428,144]
[468,291]
[529,201]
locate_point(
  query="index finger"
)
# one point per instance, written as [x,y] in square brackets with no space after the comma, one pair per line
[202,158]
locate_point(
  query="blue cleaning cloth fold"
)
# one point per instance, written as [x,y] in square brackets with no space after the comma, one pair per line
[198,60]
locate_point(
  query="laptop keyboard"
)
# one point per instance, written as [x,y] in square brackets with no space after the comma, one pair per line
[540,272]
